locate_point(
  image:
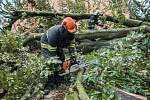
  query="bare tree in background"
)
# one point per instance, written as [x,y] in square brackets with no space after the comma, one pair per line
[6,6]
[139,9]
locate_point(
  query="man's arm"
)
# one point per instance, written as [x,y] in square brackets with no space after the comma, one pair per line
[52,41]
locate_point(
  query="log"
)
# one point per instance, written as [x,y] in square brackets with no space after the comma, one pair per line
[108,34]
[26,13]
[77,16]
[104,34]
[81,91]
[83,47]
[127,22]
[124,95]
[89,46]
[17,14]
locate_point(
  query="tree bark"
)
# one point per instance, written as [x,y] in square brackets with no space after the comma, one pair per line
[108,34]
[104,34]
[127,22]
[26,13]
[84,47]
[89,46]
[81,91]
[124,95]
[23,13]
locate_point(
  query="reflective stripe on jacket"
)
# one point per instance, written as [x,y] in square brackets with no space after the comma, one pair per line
[58,37]
[50,48]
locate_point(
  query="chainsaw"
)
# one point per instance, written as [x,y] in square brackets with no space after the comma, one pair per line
[70,68]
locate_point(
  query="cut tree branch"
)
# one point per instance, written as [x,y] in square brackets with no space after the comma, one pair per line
[77,16]
[82,94]
[89,46]
[108,34]
[124,95]
[127,22]
[104,34]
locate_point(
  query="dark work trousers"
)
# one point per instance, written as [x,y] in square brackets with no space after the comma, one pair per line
[54,80]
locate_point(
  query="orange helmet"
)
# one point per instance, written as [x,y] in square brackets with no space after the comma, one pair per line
[69,24]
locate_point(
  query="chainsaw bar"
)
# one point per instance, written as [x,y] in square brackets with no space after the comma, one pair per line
[77,67]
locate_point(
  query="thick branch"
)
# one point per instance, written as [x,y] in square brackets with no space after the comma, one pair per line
[82,94]
[124,95]
[127,22]
[108,34]
[89,46]
[52,14]
[84,47]
[105,34]
[13,18]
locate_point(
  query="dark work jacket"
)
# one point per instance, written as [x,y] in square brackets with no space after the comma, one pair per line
[57,36]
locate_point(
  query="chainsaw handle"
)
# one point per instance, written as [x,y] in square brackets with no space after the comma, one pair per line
[66,65]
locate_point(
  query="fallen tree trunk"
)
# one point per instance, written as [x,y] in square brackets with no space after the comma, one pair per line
[18,14]
[124,95]
[77,16]
[24,13]
[105,34]
[127,22]
[81,91]
[108,34]
[89,46]
[84,47]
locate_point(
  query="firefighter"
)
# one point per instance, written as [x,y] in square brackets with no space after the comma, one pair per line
[59,37]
